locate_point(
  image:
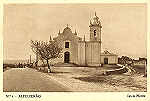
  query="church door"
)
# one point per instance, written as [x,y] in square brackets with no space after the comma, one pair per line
[66,57]
[105,60]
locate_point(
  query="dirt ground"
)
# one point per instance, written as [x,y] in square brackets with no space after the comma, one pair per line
[90,79]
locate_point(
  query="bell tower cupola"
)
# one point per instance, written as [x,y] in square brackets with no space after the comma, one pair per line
[95,29]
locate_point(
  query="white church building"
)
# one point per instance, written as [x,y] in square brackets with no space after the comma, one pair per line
[81,52]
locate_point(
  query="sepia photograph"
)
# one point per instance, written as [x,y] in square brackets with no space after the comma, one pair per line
[91,47]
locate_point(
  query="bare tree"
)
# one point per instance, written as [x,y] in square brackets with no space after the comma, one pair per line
[46,50]
[126,60]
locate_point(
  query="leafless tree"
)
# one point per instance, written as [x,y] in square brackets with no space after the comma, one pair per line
[126,60]
[46,50]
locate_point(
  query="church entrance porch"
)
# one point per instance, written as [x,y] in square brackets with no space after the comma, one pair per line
[105,60]
[66,57]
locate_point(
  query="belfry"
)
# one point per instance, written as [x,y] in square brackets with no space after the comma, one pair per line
[81,52]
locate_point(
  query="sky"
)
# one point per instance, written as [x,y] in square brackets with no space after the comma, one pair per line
[124,26]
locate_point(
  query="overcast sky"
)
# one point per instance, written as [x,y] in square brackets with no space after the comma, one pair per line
[124,26]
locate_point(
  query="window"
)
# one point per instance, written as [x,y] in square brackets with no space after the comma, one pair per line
[94,33]
[66,44]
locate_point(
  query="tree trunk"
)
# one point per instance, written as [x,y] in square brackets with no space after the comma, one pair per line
[36,63]
[49,69]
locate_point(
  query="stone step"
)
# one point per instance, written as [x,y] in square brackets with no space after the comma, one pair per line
[65,65]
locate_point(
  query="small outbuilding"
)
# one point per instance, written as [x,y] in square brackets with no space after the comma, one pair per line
[109,58]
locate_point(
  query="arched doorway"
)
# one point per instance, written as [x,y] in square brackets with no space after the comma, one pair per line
[66,57]
[105,60]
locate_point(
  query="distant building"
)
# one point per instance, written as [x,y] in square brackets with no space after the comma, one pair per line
[79,51]
[141,61]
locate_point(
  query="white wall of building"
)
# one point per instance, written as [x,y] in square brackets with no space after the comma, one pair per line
[89,53]
[81,54]
[112,59]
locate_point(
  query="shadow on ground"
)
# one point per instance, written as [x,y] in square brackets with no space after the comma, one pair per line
[95,79]
[113,80]
[57,72]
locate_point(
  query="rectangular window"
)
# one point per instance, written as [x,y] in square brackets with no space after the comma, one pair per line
[66,44]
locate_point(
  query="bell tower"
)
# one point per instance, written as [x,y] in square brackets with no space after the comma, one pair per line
[95,29]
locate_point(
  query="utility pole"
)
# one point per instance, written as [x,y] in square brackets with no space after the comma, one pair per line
[30,59]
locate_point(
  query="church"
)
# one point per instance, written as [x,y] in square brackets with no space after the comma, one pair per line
[81,52]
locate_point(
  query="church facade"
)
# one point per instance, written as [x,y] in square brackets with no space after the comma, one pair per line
[81,52]
[85,53]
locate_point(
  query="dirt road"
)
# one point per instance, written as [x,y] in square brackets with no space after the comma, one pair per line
[27,79]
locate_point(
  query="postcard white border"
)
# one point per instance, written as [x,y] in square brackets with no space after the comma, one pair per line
[74,96]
